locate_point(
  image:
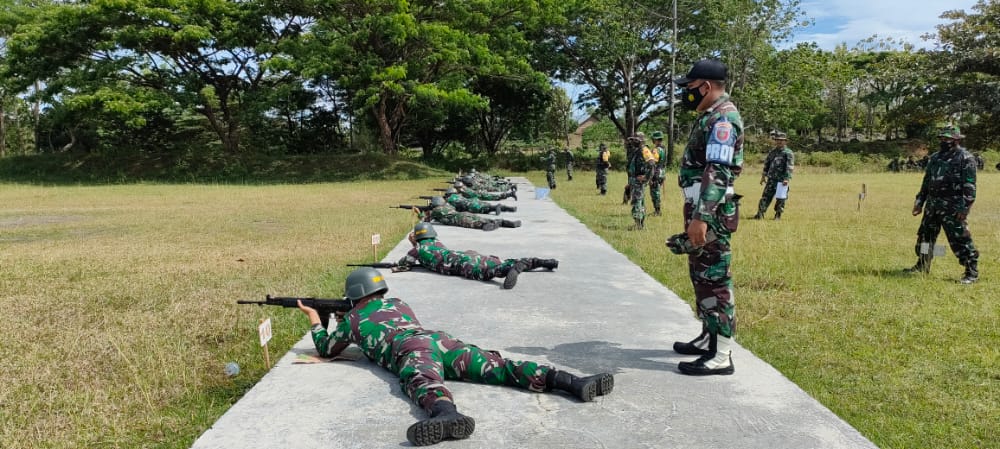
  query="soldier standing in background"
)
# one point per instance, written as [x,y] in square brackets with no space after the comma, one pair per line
[713,159]
[569,164]
[946,196]
[659,172]
[603,164]
[550,168]
[640,168]
[777,170]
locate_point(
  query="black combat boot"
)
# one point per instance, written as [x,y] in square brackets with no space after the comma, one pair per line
[445,423]
[510,223]
[971,272]
[491,225]
[506,208]
[548,264]
[777,215]
[639,224]
[657,212]
[512,194]
[584,388]
[923,264]
[604,191]
[698,346]
[759,216]
[510,279]
[497,208]
[718,359]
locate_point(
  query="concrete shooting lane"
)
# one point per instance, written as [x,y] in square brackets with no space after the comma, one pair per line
[597,312]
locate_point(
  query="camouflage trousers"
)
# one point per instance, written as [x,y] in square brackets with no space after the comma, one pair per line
[463,219]
[491,196]
[472,206]
[423,359]
[473,265]
[709,269]
[656,191]
[638,199]
[957,232]
[602,179]
[770,188]
[569,171]
[550,176]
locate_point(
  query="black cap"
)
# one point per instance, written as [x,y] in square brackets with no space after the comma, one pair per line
[706,69]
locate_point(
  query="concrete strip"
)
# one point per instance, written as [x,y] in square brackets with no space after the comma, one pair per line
[597,312]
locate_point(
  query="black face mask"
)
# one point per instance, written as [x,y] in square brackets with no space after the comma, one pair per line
[692,97]
[945,146]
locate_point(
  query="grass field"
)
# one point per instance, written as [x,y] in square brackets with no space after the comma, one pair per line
[910,361]
[119,311]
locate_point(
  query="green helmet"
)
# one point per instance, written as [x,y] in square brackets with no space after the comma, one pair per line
[950,132]
[657,135]
[450,191]
[458,184]
[424,231]
[437,201]
[363,282]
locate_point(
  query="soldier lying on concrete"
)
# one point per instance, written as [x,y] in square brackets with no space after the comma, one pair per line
[432,255]
[389,334]
[446,214]
[462,203]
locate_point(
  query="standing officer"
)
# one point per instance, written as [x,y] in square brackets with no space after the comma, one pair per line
[569,164]
[640,169]
[659,171]
[550,168]
[713,159]
[777,169]
[945,198]
[603,164]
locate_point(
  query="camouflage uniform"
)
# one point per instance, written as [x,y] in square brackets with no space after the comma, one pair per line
[473,205]
[777,169]
[569,164]
[946,195]
[603,164]
[640,168]
[435,256]
[389,334]
[657,177]
[550,169]
[448,215]
[713,159]
[485,195]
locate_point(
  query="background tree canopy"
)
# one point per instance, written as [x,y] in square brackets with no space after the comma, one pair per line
[282,77]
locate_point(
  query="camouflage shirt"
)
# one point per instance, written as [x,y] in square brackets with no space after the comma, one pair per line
[949,181]
[779,164]
[373,327]
[430,254]
[713,156]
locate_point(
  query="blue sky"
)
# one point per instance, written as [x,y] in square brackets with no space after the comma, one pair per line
[850,21]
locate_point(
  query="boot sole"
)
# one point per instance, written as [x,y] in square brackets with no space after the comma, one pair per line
[431,431]
[597,387]
[693,369]
[605,385]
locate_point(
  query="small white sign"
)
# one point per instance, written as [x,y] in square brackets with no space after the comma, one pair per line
[781,192]
[264,330]
[376,239]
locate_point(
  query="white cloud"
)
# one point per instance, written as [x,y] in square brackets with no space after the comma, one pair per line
[853,20]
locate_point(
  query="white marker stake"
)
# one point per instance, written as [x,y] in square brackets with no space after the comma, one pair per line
[264,331]
[376,240]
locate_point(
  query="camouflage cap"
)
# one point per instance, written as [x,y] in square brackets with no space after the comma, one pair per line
[778,135]
[657,135]
[950,132]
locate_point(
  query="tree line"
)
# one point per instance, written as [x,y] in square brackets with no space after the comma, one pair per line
[331,76]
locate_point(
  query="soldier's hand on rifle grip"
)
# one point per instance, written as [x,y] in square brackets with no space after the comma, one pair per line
[310,312]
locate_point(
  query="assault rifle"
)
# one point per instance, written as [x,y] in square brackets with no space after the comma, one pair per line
[324,306]
[412,206]
[390,265]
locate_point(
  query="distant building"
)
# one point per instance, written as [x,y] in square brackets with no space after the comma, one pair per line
[575,139]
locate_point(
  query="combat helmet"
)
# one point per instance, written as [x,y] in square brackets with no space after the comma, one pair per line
[950,132]
[424,231]
[450,191]
[437,201]
[363,282]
